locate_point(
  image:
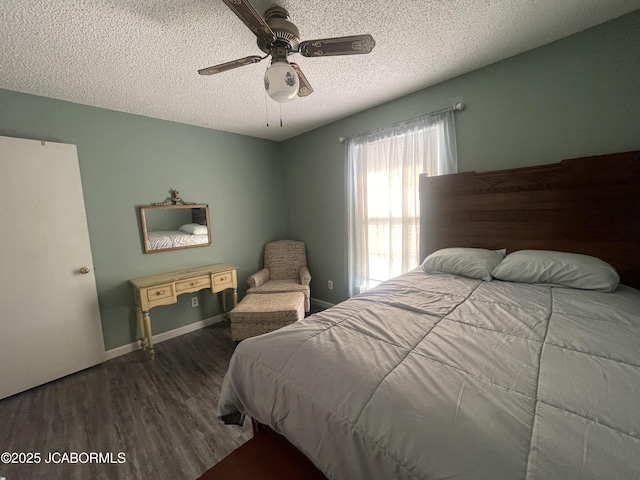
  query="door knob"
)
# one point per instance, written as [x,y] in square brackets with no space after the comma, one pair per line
[85,270]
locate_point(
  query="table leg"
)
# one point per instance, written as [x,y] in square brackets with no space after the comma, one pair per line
[235,297]
[141,332]
[147,327]
[224,300]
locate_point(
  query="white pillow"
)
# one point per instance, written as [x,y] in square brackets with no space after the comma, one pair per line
[558,269]
[194,229]
[467,262]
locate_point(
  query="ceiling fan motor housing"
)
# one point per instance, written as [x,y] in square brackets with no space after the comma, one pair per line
[287,34]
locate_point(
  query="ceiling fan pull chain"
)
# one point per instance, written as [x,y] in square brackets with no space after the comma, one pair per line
[266,108]
[280,115]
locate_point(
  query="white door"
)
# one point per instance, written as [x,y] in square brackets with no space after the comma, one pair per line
[49,318]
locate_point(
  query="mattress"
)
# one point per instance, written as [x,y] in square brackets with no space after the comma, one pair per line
[443,377]
[174,238]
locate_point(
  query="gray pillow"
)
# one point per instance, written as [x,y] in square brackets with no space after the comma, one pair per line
[194,229]
[558,269]
[466,262]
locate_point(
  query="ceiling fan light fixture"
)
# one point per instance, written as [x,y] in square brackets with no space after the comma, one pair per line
[281,81]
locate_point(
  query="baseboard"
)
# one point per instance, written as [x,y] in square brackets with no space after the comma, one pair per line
[321,303]
[161,337]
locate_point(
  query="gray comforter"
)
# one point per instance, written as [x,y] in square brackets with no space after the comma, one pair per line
[442,377]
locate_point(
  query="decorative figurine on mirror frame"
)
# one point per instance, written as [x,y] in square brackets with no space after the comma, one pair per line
[174,199]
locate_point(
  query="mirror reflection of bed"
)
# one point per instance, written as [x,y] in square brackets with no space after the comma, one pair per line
[170,226]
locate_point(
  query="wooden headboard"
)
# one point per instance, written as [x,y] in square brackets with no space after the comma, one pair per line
[585,205]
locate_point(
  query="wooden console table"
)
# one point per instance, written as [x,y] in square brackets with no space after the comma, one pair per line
[164,288]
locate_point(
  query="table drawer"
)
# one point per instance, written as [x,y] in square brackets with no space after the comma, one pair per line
[221,279]
[198,282]
[160,291]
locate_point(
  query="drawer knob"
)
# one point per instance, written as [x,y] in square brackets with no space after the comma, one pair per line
[193,284]
[160,292]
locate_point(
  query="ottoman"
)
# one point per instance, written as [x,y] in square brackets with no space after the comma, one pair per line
[263,313]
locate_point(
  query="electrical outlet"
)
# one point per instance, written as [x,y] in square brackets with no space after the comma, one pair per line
[194,301]
[330,284]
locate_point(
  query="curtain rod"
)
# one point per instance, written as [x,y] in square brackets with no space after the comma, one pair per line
[458,106]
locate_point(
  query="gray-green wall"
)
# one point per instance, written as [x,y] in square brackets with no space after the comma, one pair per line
[128,160]
[578,96]
[575,97]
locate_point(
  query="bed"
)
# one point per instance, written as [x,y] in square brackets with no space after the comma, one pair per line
[441,373]
[174,239]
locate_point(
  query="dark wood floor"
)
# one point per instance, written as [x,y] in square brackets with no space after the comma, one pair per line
[160,414]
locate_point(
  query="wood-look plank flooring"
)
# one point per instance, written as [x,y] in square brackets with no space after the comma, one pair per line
[160,414]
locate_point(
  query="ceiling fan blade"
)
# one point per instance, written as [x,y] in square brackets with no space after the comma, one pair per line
[252,19]
[305,88]
[325,47]
[223,67]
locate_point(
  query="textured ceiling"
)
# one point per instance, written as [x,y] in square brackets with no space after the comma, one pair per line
[142,56]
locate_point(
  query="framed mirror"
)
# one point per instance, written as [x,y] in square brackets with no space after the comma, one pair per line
[175,224]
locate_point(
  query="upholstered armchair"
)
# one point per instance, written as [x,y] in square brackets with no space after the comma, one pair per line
[285,270]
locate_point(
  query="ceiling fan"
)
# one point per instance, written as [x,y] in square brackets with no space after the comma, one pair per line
[278,38]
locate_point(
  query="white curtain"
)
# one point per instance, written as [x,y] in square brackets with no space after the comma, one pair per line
[383,170]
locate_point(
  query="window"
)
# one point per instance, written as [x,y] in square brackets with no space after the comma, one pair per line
[384,168]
